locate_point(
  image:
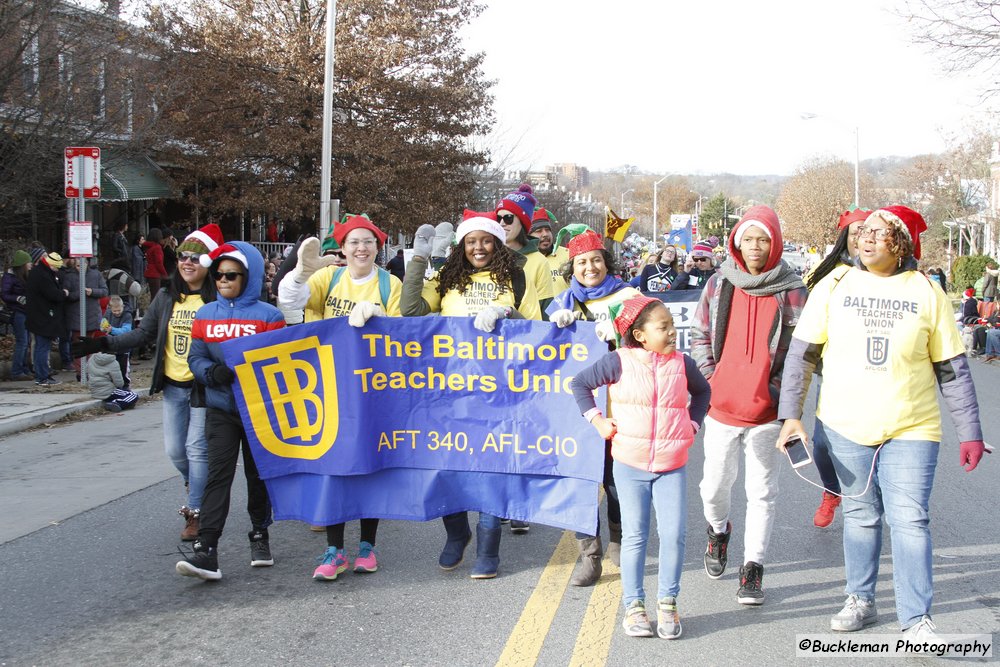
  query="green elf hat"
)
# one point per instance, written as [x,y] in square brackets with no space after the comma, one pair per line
[570,231]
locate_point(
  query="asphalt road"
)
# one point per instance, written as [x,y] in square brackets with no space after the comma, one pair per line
[90,538]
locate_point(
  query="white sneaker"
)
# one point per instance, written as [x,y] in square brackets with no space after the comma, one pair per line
[923,630]
[856,614]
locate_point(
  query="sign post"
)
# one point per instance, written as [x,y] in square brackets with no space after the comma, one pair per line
[82,182]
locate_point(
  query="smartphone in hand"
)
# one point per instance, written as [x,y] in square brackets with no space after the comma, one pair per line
[797,453]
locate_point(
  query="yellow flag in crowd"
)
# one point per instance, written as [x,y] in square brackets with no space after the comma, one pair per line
[616,228]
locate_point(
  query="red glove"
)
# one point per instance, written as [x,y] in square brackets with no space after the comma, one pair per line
[969,454]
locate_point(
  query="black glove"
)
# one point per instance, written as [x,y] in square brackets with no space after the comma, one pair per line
[86,346]
[222,375]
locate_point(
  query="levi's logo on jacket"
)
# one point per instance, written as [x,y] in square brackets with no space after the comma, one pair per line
[217,332]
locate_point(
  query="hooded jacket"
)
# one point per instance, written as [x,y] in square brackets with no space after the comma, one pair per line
[70,279]
[46,300]
[740,341]
[225,319]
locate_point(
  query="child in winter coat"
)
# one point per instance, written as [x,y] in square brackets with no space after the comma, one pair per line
[648,383]
[117,320]
[104,379]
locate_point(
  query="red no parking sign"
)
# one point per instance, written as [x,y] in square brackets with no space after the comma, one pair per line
[83,170]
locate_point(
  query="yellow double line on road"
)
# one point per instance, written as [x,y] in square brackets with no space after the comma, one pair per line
[599,620]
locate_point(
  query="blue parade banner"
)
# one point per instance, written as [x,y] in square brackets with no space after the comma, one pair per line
[415,418]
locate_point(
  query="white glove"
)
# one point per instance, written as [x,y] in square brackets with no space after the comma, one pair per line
[563,318]
[606,331]
[362,312]
[422,241]
[310,260]
[488,317]
[444,234]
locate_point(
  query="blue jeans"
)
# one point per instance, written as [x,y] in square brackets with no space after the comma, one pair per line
[666,492]
[19,365]
[184,440]
[993,342]
[821,455]
[900,491]
[40,356]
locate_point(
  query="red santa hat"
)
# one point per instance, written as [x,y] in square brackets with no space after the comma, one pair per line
[202,240]
[854,215]
[224,251]
[475,221]
[341,231]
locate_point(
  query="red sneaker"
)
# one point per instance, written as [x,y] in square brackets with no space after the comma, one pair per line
[827,508]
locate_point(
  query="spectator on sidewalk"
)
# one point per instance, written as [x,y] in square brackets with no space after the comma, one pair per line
[95,289]
[117,321]
[155,271]
[13,291]
[44,310]
[106,383]
[739,337]
[397,265]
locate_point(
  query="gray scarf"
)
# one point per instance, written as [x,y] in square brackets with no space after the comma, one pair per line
[779,279]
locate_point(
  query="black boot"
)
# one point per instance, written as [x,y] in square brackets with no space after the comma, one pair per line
[615,543]
[487,553]
[459,535]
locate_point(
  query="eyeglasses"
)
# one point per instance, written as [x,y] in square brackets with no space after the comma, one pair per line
[879,234]
[355,243]
[231,276]
[506,219]
[192,257]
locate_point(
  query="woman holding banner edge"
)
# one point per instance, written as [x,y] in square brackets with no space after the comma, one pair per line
[594,289]
[360,290]
[485,279]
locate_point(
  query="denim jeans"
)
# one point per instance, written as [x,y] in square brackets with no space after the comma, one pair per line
[993,342]
[184,440]
[666,492]
[824,462]
[40,356]
[900,491]
[19,365]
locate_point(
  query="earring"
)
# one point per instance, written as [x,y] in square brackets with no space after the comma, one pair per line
[899,262]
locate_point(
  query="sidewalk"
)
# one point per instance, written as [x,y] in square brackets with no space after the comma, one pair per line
[24,405]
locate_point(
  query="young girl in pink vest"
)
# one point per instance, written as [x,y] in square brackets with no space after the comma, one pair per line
[653,426]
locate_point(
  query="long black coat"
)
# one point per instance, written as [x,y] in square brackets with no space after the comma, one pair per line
[45,303]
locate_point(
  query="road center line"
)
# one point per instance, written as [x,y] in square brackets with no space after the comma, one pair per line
[594,639]
[526,639]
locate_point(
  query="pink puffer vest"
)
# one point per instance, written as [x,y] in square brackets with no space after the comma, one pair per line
[650,405]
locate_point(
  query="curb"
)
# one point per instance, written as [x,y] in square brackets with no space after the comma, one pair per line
[14,425]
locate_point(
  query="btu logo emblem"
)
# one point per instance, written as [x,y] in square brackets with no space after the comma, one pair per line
[297,415]
[878,350]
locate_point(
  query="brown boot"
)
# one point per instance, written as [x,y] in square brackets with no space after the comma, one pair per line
[615,543]
[191,524]
[588,569]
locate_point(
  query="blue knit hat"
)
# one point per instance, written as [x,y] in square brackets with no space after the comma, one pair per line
[522,204]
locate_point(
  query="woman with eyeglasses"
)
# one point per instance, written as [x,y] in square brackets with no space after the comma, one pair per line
[594,289]
[327,286]
[704,268]
[886,336]
[514,213]
[237,268]
[484,279]
[167,323]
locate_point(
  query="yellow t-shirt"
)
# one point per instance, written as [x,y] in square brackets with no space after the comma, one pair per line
[346,293]
[175,365]
[600,309]
[480,293]
[880,337]
[536,271]
[556,260]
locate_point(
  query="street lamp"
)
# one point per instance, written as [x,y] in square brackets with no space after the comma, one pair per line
[805,115]
[621,208]
[655,185]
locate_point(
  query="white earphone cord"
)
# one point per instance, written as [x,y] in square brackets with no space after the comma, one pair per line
[871,473]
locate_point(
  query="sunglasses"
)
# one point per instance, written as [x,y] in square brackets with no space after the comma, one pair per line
[192,257]
[701,259]
[231,276]
[506,219]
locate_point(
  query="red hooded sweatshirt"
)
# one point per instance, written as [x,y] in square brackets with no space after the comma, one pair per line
[740,384]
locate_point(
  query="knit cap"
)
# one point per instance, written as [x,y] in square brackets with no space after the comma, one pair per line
[701,249]
[521,203]
[629,312]
[202,240]
[20,259]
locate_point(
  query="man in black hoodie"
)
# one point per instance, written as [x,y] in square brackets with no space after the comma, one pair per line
[44,312]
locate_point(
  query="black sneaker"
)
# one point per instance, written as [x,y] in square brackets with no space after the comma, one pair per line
[750,591]
[519,527]
[717,552]
[203,563]
[260,550]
